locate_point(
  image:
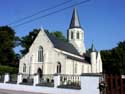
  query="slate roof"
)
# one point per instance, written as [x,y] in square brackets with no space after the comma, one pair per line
[62,45]
[65,46]
[75,23]
[77,59]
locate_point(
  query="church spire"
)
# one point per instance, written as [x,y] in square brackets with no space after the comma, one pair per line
[76,33]
[75,23]
[93,48]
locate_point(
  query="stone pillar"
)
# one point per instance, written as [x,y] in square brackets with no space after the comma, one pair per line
[19,78]
[56,80]
[90,83]
[35,79]
[6,77]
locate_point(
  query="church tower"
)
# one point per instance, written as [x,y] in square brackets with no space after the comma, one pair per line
[93,55]
[75,33]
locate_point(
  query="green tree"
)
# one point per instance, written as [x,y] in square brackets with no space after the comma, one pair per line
[59,35]
[27,40]
[114,59]
[7,43]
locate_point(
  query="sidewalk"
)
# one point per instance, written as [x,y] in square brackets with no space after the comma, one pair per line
[16,92]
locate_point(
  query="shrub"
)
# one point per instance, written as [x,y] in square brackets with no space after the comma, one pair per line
[8,69]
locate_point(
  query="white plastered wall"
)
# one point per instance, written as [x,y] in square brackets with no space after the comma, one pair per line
[99,63]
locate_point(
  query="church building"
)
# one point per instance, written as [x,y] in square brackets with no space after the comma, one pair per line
[50,55]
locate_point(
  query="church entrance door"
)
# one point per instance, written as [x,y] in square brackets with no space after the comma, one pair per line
[40,73]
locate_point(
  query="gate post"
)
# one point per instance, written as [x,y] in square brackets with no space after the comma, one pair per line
[6,77]
[19,78]
[56,80]
[35,79]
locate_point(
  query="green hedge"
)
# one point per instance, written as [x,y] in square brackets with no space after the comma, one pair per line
[69,87]
[8,69]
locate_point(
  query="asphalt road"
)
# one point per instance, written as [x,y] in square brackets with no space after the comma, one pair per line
[16,92]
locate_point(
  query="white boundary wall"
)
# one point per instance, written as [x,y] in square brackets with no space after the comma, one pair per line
[38,89]
[89,85]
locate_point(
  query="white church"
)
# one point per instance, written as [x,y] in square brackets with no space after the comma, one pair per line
[50,55]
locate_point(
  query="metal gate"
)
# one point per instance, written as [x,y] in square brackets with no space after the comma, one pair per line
[115,84]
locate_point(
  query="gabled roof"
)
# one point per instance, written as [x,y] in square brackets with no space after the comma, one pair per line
[62,45]
[75,23]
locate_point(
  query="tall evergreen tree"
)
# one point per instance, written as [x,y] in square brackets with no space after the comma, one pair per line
[7,43]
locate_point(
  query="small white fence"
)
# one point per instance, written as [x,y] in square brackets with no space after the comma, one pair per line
[54,84]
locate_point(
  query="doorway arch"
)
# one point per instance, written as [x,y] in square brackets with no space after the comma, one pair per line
[58,67]
[40,72]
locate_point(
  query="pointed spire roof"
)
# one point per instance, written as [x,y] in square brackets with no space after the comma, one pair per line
[93,48]
[75,23]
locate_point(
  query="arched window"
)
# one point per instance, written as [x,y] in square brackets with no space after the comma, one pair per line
[71,35]
[31,59]
[40,54]
[59,67]
[76,68]
[77,35]
[24,67]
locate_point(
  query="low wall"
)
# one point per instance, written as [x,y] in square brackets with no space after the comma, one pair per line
[38,89]
[89,84]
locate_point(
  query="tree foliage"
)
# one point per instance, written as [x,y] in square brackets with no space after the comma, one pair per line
[8,69]
[114,59]
[7,43]
[27,40]
[59,35]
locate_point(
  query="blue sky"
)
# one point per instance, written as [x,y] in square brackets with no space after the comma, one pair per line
[102,20]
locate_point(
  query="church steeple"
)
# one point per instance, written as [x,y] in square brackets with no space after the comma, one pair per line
[75,23]
[93,48]
[76,33]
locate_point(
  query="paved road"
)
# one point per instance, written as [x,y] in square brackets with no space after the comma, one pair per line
[16,92]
